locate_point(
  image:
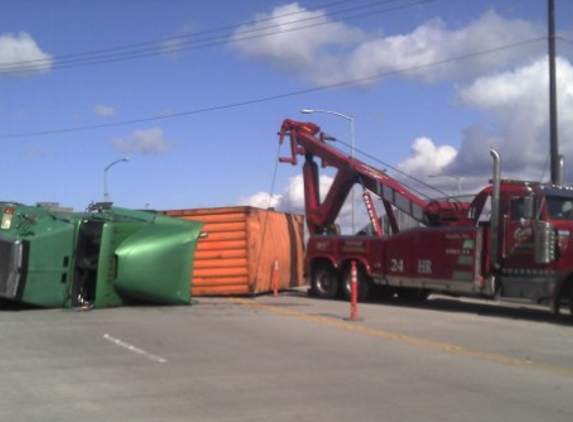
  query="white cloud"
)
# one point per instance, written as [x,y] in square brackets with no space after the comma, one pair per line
[349,54]
[261,200]
[20,53]
[427,163]
[433,42]
[151,141]
[292,200]
[517,103]
[104,110]
[306,52]
[427,158]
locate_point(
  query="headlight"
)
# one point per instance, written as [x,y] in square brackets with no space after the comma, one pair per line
[7,218]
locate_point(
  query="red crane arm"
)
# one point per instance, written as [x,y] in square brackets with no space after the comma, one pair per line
[307,140]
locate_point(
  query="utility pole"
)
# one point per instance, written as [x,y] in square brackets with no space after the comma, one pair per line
[554,141]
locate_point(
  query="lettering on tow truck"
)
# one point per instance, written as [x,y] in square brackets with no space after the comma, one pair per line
[521,234]
[424,266]
[453,251]
[353,246]
[397,265]
[322,246]
[453,236]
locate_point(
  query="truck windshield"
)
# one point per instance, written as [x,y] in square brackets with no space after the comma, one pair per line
[560,208]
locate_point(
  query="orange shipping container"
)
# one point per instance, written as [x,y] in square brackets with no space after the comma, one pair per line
[241,248]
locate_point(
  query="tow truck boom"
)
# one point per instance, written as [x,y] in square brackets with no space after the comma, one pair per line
[307,140]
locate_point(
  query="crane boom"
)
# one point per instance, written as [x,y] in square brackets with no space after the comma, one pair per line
[306,139]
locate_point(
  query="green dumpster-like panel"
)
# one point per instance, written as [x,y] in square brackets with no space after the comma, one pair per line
[155,263]
[36,253]
[48,272]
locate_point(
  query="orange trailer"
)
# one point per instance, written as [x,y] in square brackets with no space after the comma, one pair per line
[242,248]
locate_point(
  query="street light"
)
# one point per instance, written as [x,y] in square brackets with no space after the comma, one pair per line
[352,147]
[457,178]
[344,116]
[105,191]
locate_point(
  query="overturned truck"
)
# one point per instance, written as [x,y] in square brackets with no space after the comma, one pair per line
[104,257]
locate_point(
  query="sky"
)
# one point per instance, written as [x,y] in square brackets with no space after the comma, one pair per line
[193,92]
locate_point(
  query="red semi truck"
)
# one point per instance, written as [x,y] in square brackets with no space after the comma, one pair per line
[512,242]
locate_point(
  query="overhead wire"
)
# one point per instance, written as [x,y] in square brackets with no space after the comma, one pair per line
[194,41]
[153,45]
[565,40]
[397,170]
[198,40]
[181,37]
[276,96]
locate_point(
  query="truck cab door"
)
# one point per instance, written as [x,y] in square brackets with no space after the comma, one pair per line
[518,249]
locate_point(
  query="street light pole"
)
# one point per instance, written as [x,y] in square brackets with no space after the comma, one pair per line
[350,119]
[105,191]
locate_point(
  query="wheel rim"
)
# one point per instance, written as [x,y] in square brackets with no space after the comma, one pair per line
[363,286]
[325,282]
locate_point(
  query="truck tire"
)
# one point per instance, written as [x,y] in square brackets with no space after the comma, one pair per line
[364,284]
[324,282]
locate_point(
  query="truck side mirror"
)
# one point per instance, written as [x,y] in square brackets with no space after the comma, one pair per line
[529,207]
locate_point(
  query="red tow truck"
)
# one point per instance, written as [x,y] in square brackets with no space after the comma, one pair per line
[512,242]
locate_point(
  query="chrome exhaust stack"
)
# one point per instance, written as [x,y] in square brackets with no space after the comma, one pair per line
[495,205]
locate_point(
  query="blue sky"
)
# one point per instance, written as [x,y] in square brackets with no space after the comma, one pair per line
[203,127]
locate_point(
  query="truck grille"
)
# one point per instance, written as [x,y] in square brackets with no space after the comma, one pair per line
[11,257]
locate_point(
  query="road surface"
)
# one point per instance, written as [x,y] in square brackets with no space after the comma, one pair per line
[286,358]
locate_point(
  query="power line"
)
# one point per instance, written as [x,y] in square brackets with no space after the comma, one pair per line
[199,40]
[566,40]
[154,48]
[273,97]
[411,187]
[153,44]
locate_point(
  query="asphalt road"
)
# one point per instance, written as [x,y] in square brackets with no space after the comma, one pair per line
[286,358]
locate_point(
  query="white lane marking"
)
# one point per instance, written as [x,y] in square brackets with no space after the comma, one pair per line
[134,349]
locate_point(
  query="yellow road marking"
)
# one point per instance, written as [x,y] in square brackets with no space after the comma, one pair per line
[403,338]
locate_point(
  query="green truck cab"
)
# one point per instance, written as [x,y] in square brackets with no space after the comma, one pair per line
[104,257]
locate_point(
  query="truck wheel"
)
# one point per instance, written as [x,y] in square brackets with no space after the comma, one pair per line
[364,284]
[324,283]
